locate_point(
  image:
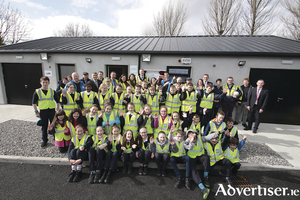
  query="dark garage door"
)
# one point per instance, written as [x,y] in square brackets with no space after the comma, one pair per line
[21,80]
[283,85]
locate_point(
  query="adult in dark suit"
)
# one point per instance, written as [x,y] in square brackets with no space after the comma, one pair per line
[256,104]
[96,82]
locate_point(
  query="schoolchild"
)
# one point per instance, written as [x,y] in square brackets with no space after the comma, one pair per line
[104,96]
[76,118]
[118,97]
[92,119]
[129,148]
[143,152]
[152,98]
[216,124]
[142,77]
[60,85]
[215,150]
[110,87]
[144,89]
[129,120]
[70,99]
[89,97]
[194,145]
[218,89]
[192,121]
[161,147]
[77,152]
[58,127]
[175,122]
[137,99]
[232,153]
[171,99]
[231,128]
[44,99]
[132,82]
[123,82]
[207,101]
[97,152]
[161,122]
[108,117]
[189,97]
[178,155]
[146,119]
[113,154]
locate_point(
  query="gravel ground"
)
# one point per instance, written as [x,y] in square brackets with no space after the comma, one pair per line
[22,138]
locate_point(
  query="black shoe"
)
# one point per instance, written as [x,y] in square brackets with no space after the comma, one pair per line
[206,182]
[108,177]
[92,177]
[158,172]
[43,144]
[187,183]
[178,183]
[77,176]
[129,169]
[229,181]
[205,192]
[71,176]
[245,125]
[103,176]
[141,170]
[97,177]
[235,123]
[254,131]
[145,170]
[163,174]
[124,170]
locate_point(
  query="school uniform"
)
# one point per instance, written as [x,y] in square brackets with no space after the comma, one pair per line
[102,99]
[138,101]
[161,124]
[88,99]
[96,152]
[74,151]
[161,154]
[111,118]
[214,126]
[92,123]
[144,152]
[70,102]
[153,101]
[118,99]
[130,122]
[189,98]
[190,124]
[148,122]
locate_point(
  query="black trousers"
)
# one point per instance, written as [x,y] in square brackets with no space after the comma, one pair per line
[254,112]
[228,107]
[205,118]
[144,156]
[162,160]
[128,157]
[205,161]
[227,165]
[99,155]
[111,160]
[46,116]
[77,154]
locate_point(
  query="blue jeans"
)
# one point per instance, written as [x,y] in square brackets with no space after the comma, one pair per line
[184,159]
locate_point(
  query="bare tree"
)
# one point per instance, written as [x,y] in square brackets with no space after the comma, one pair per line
[13,26]
[170,20]
[291,21]
[222,17]
[75,30]
[258,17]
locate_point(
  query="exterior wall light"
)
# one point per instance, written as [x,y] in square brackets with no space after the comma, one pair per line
[146,57]
[89,60]
[44,56]
[241,63]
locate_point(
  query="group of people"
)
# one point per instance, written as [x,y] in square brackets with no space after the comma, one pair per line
[105,119]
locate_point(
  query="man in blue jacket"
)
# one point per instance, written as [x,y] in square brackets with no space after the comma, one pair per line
[79,85]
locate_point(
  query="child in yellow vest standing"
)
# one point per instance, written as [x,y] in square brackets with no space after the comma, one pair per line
[108,117]
[128,151]
[104,96]
[161,122]
[129,121]
[70,99]
[92,119]
[89,97]
[118,97]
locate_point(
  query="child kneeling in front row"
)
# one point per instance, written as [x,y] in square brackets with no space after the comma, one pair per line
[77,152]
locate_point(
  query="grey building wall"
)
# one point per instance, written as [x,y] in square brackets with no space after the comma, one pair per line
[224,65]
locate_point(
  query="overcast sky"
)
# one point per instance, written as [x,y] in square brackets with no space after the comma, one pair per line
[105,17]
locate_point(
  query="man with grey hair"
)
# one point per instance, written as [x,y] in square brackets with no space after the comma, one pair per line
[79,85]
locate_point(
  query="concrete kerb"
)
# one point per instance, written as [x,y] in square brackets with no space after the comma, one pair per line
[152,164]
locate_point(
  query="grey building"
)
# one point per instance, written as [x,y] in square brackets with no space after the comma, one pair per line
[274,59]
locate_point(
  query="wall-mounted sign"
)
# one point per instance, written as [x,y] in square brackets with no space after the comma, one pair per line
[186,60]
[48,73]
[133,69]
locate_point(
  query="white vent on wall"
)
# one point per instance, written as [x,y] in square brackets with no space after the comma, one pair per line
[287,62]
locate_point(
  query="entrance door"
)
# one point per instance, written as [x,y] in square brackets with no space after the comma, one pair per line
[119,69]
[283,105]
[21,80]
